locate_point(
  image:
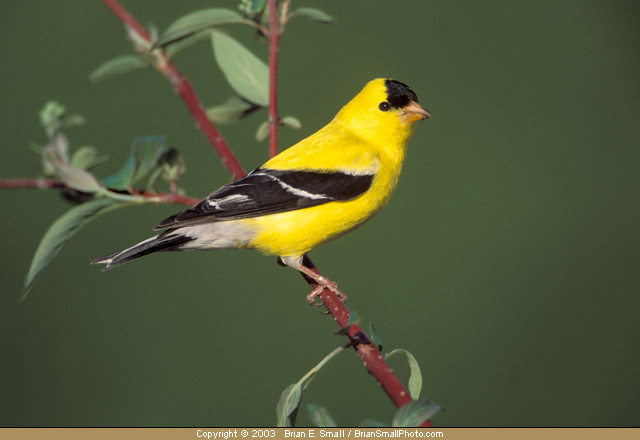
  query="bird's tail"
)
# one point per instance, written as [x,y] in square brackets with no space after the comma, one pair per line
[162,242]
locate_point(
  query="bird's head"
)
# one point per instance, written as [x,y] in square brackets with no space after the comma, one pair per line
[385,107]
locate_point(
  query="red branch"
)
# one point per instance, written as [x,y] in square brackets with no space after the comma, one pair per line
[30,183]
[184,89]
[274,39]
[188,95]
[127,19]
[368,353]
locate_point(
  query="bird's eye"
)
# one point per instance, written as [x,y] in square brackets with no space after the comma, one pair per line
[384,106]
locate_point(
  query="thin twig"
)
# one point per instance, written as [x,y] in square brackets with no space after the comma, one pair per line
[30,183]
[127,19]
[152,197]
[170,197]
[274,39]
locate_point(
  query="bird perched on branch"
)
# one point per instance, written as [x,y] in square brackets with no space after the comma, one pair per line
[321,188]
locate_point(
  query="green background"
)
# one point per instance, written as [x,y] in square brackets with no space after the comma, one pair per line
[507,261]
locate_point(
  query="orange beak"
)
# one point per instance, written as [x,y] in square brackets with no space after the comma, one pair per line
[414,112]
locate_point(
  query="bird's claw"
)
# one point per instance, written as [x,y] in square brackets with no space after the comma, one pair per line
[324,283]
[314,297]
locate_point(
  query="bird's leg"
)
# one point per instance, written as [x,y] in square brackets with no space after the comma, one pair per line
[323,283]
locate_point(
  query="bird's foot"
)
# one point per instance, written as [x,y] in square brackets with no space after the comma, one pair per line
[321,282]
[324,283]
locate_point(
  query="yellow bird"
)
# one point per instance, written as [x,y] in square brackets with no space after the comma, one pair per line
[321,188]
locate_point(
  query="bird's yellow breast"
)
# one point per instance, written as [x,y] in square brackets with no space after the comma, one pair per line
[295,233]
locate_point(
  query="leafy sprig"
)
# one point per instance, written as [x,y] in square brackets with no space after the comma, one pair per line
[150,161]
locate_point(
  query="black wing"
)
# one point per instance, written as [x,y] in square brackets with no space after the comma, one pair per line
[265,191]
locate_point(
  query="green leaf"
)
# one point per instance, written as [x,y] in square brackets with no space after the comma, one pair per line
[414,414]
[291,121]
[75,178]
[289,402]
[171,168]
[258,6]
[313,14]
[60,144]
[73,120]
[198,21]
[50,116]
[153,178]
[47,168]
[153,31]
[264,19]
[122,179]
[117,66]
[178,46]
[287,407]
[374,337]
[150,151]
[262,132]
[415,379]
[60,232]
[320,417]
[173,165]
[86,157]
[233,109]
[252,7]
[146,155]
[247,74]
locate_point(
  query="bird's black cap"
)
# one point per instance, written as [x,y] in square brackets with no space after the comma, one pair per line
[399,94]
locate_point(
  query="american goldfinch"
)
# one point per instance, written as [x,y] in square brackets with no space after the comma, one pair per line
[319,189]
